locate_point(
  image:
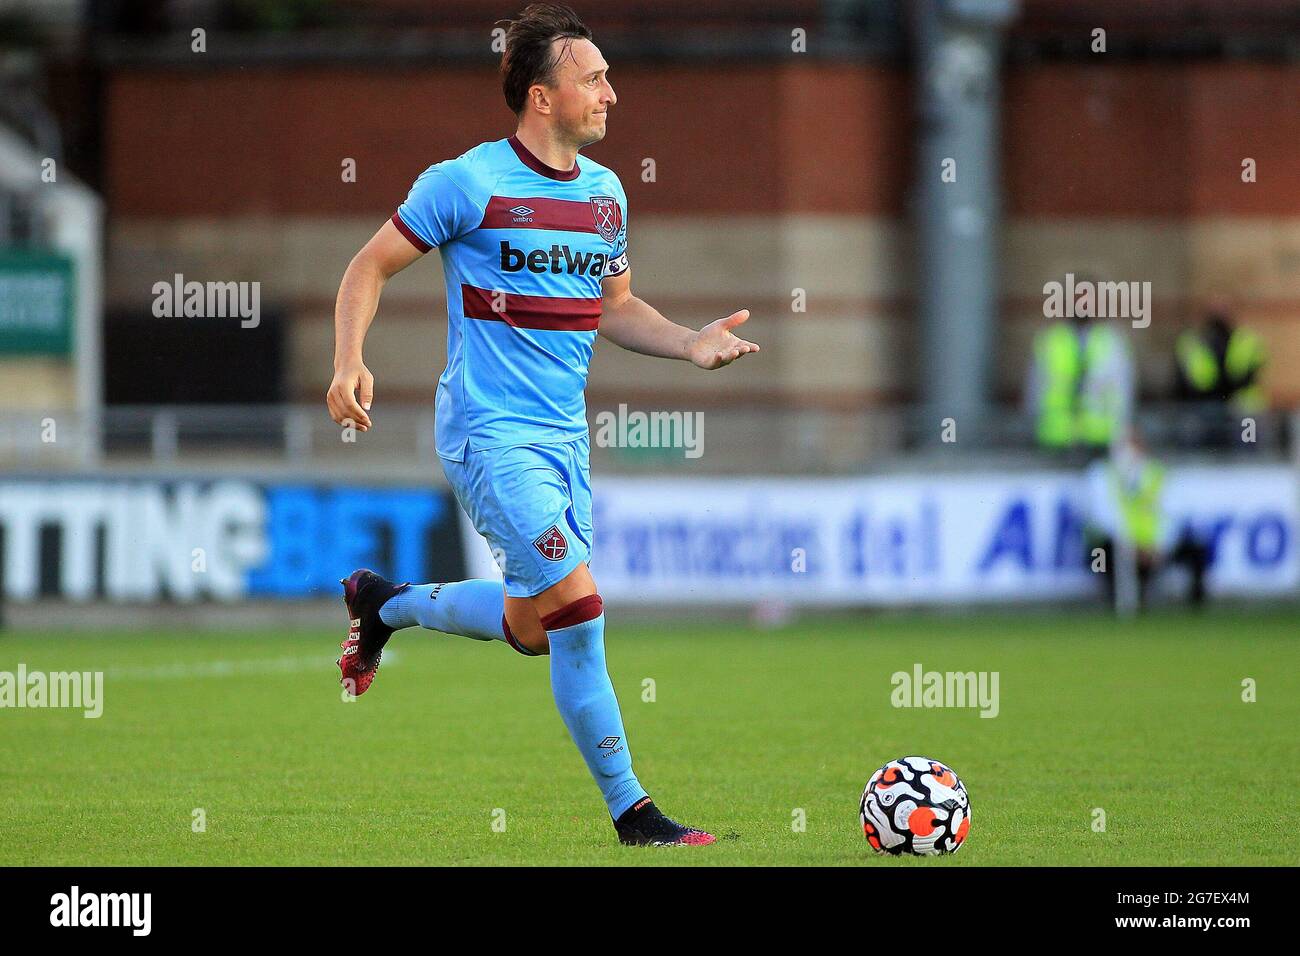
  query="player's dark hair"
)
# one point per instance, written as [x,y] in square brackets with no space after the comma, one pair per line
[528,58]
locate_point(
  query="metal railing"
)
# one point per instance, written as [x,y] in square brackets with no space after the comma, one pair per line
[302,439]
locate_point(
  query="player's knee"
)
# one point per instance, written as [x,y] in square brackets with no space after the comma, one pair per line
[578,611]
[524,631]
[575,586]
[567,603]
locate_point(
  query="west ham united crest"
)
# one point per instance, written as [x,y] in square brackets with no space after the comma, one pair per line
[608,215]
[552,545]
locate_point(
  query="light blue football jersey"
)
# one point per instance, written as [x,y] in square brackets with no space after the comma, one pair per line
[524,249]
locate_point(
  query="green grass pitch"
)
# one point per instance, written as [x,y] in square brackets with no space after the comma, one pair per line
[748,731]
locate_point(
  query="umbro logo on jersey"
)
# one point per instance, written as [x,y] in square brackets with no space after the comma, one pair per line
[557,259]
[522,213]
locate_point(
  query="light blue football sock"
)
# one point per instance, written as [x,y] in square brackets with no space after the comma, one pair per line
[469,608]
[585,698]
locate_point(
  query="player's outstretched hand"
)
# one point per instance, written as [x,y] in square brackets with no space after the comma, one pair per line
[715,345]
[351,381]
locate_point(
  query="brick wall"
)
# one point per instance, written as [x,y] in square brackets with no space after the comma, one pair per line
[767,178]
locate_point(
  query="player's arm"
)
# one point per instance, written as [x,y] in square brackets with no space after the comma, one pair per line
[637,326]
[387,253]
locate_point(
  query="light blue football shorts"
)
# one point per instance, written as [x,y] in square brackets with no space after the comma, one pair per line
[533,505]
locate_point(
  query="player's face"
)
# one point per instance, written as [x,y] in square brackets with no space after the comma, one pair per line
[580,94]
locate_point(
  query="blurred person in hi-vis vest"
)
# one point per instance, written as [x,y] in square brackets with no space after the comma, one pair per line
[1081,383]
[1219,367]
[1126,510]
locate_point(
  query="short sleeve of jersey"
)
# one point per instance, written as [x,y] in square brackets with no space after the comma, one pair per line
[437,210]
[618,262]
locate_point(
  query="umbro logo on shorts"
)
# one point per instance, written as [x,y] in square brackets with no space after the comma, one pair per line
[552,544]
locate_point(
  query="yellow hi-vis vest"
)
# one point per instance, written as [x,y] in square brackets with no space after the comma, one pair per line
[1245,355]
[1139,503]
[1069,414]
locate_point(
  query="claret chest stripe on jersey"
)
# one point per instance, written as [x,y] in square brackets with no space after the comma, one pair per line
[564,215]
[553,313]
